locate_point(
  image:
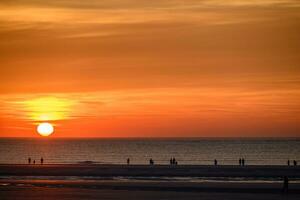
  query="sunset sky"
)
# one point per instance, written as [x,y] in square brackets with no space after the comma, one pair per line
[159,68]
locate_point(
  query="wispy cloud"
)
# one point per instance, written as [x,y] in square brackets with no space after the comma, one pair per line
[178,102]
[128,12]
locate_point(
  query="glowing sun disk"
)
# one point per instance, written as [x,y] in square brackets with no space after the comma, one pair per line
[45,129]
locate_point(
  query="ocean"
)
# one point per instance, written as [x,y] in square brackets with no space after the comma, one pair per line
[199,151]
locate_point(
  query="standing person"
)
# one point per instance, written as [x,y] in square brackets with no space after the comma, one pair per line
[295,163]
[216,162]
[29,160]
[285,184]
[34,162]
[288,162]
[240,161]
[171,161]
[243,161]
[128,161]
[42,160]
[151,161]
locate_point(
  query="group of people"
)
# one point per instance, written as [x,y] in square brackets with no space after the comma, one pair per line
[151,161]
[173,161]
[29,161]
[294,162]
[242,162]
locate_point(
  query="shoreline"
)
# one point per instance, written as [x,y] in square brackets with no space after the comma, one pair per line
[155,185]
[111,170]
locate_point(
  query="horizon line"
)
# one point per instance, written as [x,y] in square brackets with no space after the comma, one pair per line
[163,137]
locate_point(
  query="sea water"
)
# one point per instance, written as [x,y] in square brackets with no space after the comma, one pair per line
[199,151]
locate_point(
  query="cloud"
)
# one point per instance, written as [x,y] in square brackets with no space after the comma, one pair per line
[179,102]
[136,4]
[122,12]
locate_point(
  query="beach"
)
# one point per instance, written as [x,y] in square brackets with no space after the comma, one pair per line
[93,181]
[37,189]
[148,170]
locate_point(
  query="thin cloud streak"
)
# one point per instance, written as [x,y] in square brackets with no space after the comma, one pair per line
[169,101]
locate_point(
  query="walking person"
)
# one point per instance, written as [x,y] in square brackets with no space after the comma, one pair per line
[295,163]
[34,162]
[240,161]
[151,161]
[288,162]
[285,185]
[29,160]
[128,161]
[243,162]
[42,160]
[216,162]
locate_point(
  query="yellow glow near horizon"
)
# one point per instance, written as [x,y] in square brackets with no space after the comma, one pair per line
[45,129]
[48,108]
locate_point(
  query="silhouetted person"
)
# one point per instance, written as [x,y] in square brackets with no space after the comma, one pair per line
[29,160]
[243,162]
[295,163]
[240,161]
[128,161]
[42,160]
[216,162]
[172,161]
[34,162]
[288,162]
[176,163]
[151,161]
[285,184]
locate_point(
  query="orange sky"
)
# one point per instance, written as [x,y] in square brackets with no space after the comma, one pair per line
[139,68]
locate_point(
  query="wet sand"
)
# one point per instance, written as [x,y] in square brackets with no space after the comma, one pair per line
[38,185]
[147,170]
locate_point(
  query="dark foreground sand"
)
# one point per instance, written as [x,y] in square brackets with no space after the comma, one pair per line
[45,189]
[15,185]
[38,193]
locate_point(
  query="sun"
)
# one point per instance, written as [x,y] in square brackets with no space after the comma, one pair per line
[45,129]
